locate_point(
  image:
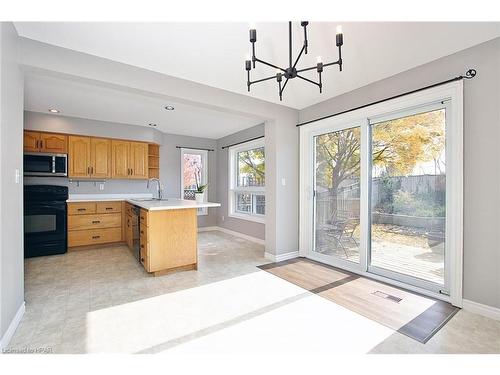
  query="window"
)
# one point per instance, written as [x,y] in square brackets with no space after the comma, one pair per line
[194,171]
[247,192]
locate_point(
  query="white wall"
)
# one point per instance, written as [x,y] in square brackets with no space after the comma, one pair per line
[11,193]
[481,153]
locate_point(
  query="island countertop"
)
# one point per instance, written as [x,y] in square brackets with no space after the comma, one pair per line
[170,204]
[142,200]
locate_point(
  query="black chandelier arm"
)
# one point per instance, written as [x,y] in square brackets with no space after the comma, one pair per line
[284,85]
[261,80]
[269,64]
[298,57]
[309,80]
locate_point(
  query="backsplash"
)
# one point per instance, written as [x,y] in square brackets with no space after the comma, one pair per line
[88,187]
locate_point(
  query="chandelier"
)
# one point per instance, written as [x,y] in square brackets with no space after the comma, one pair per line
[291,71]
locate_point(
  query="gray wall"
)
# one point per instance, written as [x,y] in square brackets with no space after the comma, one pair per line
[169,156]
[481,153]
[243,226]
[11,202]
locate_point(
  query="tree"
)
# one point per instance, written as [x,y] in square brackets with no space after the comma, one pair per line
[252,164]
[397,147]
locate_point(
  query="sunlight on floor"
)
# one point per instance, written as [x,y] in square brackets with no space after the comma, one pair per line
[257,312]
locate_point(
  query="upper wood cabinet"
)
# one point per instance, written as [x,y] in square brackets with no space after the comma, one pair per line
[45,142]
[138,160]
[93,157]
[31,141]
[120,151]
[129,160]
[79,159]
[100,157]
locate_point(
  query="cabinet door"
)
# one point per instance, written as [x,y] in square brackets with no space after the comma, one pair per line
[56,143]
[139,160]
[120,151]
[31,141]
[100,155]
[79,156]
[129,234]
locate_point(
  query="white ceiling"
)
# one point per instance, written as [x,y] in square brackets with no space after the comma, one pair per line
[214,53]
[79,99]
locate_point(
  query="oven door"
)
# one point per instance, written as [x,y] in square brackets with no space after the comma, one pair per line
[42,164]
[45,229]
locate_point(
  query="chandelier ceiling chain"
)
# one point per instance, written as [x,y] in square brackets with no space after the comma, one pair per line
[291,71]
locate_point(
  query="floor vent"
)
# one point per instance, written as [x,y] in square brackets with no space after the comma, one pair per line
[387,296]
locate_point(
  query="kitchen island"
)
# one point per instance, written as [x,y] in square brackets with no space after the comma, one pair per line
[168,234]
[161,233]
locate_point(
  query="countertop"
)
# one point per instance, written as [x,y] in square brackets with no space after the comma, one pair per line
[138,200]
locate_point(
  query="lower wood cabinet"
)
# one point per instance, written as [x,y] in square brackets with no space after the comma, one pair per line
[94,223]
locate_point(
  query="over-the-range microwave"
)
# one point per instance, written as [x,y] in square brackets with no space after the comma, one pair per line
[45,164]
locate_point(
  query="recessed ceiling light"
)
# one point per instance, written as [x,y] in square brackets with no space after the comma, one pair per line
[53,110]
[152,124]
[169,107]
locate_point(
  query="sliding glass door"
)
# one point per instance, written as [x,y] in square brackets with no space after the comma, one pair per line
[337,164]
[379,199]
[408,197]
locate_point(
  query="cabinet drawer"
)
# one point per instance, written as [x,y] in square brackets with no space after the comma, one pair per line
[80,222]
[144,215]
[108,207]
[81,208]
[95,236]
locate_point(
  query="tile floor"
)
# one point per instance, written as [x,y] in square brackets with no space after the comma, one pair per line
[103,301]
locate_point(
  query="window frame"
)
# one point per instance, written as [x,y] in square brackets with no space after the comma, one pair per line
[233,189]
[204,177]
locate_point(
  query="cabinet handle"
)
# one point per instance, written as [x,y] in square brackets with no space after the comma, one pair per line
[96,221]
[82,209]
[142,260]
[131,171]
[41,143]
[109,208]
[142,232]
[37,143]
[95,237]
[91,170]
[88,170]
[142,246]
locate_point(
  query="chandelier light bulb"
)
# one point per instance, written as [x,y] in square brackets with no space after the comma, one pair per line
[319,60]
[339,29]
[252,26]
[247,57]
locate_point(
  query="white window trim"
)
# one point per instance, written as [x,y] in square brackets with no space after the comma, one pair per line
[232,172]
[204,162]
[452,92]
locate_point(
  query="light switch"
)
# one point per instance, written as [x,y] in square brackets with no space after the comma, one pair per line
[17,176]
[283,181]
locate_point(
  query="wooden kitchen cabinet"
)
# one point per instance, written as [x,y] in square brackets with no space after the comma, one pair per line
[138,161]
[79,159]
[120,151]
[100,157]
[129,160]
[55,143]
[94,223]
[45,142]
[31,141]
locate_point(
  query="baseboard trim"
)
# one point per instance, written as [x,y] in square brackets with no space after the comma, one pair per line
[484,310]
[234,233]
[5,340]
[281,257]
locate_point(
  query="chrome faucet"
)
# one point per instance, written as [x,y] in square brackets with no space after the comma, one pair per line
[160,190]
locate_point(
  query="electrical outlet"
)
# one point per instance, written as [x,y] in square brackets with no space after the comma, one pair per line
[101,186]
